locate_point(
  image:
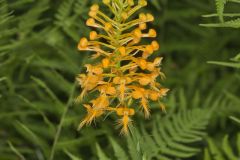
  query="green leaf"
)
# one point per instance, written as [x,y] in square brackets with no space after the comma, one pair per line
[227,149]
[226,64]
[73,157]
[215,152]
[207,154]
[118,150]
[16,151]
[29,135]
[47,89]
[101,154]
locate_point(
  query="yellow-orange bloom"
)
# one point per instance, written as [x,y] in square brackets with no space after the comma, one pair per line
[121,76]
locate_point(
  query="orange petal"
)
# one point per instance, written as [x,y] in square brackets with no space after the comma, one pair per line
[105,62]
[137,94]
[111,91]
[144,81]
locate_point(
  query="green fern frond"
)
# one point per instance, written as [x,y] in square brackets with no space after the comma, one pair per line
[220,4]
[4,14]
[80,7]
[174,135]
[16,151]
[171,137]
[32,137]
[236,58]
[63,14]
[6,17]
[234,64]
[225,152]
[235,119]
[32,18]
[101,154]
[233,24]
[232,15]
[120,154]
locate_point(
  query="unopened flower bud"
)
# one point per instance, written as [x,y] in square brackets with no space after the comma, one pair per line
[108,26]
[155,45]
[94,7]
[143,26]
[142,17]
[137,33]
[124,15]
[149,49]
[142,3]
[106,1]
[152,33]
[93,35]
[150,17]
[92,13]
[83,43]
[90,22]
[130,2]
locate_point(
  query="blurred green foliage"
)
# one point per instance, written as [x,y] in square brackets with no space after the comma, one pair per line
[39,61]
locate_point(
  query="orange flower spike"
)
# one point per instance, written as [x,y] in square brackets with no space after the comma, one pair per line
[121,74]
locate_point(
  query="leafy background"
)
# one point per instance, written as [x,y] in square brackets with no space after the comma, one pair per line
[39,61]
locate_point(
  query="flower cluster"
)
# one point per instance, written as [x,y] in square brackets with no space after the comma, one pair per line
[124,80]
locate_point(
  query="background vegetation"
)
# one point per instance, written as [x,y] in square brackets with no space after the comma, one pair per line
[39,61]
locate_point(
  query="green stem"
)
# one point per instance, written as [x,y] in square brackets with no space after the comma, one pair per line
[16,151]
[235,1]
[59,129]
